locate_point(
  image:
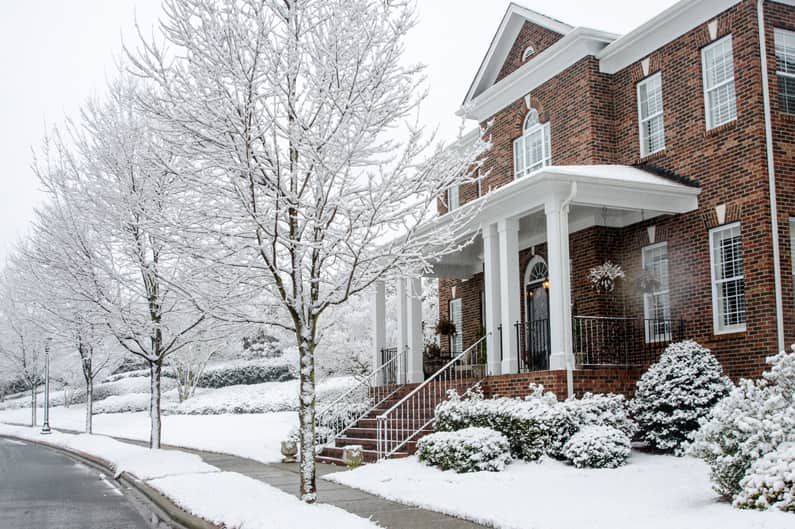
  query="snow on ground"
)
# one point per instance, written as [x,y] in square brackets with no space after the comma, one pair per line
[652,492]
[225,498]
[255,436]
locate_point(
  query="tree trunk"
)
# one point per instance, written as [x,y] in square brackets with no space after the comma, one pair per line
[155,370]
[306,418]
[33,405]
[90,405]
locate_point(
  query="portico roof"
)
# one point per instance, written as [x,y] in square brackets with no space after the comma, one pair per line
[605,186]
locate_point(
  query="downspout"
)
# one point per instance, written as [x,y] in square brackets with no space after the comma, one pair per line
[564,210]
[771,174]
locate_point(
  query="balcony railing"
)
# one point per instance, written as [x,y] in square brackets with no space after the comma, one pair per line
[599,341]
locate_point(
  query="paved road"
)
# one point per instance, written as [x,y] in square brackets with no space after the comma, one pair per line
[43,489]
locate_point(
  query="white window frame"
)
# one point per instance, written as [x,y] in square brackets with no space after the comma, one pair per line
[530,129]
[708,117]
[718,327]
[779,37]
[792,251]
[458,338]
[453,198]
[644,140]
[649,297]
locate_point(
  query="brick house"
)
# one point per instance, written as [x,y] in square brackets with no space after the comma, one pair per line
[666,151]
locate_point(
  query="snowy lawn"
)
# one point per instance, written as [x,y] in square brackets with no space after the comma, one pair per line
[224,498]
[651,491]
[255,436]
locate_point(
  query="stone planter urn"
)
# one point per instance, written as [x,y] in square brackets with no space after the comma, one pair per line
[352,456]
[289,451]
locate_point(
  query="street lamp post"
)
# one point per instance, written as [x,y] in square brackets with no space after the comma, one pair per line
[45,429]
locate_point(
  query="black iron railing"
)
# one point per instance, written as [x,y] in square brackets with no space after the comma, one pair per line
[391,368]
[622,341]
[533,345]
[599,341]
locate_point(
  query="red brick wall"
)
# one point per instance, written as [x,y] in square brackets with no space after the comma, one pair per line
[607,380]
[530,35]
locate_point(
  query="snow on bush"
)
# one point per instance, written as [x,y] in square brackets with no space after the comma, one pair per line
[566,418]
[676,393]
[520,421]
[754,420]
[770,482]
[246,372]
[467,450]
[597,447]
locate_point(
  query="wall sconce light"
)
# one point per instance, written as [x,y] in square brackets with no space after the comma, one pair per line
[546,284]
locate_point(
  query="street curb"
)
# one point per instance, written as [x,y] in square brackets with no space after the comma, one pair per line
[162,505]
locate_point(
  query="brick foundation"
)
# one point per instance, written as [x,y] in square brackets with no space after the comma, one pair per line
[603,380]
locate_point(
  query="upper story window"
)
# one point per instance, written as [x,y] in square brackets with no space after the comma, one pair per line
[453,200]
[532,150]
[785,69]
[728,279]
[717,65]
[650,115]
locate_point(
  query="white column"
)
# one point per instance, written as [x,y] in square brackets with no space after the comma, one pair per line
[379,327]
[560,283]
[510,295]
[414,373]
[402,327]
[491,290]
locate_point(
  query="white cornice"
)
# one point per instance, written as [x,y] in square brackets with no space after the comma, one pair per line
[660,30]
[578,43]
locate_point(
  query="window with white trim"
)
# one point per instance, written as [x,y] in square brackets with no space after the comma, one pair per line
[792,250]
[452,198]
[728,281]
[456,316]
[785,69]
[717,66]
[656,298]
[650,115]
[532,150]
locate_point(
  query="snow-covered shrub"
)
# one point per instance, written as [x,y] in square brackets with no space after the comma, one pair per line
[566,418]
[520,421]
[676,393]
[468,450]
[597,447]
[246,372]
[754,420]
[770,482]
[132,402]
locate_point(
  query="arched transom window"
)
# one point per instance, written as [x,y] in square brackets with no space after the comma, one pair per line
[532,150]
[539,272]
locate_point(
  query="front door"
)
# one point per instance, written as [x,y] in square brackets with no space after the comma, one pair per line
[537,326]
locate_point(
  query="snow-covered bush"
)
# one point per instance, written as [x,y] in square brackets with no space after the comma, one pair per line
[754,420]
[566,418]
[468,450]
[246,372]
[676,393]
[520,421]
[597,447]
[770,482]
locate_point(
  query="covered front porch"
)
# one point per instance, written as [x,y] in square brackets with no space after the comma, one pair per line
[517,256]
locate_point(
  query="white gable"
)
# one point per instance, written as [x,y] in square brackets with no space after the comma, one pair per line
[503,40]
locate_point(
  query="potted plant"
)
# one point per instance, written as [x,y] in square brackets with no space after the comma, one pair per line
[432,359]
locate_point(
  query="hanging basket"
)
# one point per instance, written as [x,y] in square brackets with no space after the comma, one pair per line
[646,281]
[603,277]
[445,328]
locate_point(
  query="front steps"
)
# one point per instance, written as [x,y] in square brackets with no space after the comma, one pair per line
[365,431]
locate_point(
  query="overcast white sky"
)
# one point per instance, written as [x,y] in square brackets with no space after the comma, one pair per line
[56,53]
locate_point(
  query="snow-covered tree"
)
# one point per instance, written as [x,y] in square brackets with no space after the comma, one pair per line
[754,420]
[297,116]
[675,393]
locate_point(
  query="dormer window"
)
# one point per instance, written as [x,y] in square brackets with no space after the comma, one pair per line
[528,52]
[532,150]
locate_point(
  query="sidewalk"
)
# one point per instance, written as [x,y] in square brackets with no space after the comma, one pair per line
[284,476]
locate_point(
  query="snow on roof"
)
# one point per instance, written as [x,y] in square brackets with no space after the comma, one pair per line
[622,173]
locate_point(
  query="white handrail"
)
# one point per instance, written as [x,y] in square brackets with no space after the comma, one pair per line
[359,393]
[392,430]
